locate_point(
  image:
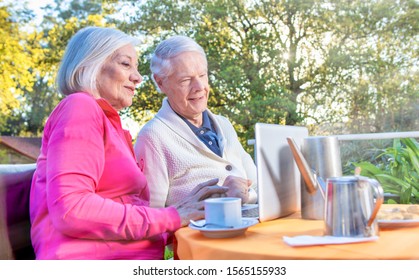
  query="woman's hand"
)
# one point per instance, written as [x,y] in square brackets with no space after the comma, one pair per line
[192,206]
[238,187]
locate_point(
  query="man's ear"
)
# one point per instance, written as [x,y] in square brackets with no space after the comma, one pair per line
[158,80]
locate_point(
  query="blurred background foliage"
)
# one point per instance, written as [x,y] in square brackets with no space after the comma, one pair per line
[334,66]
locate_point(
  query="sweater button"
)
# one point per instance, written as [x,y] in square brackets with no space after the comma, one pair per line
[229,168]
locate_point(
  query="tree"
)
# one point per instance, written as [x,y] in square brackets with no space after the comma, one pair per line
[15,60]
[296,62]
[47,44]
[374,69]
[335,66]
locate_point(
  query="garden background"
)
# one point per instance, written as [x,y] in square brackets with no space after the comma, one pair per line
[335,66]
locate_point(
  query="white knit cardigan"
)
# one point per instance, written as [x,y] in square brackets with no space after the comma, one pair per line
[174,160]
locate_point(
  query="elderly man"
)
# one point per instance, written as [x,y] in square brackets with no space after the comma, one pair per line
[185,143]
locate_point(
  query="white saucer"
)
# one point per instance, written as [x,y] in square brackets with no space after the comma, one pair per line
[225,232]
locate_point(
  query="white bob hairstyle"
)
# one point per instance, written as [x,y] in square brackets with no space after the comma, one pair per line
[84,56]
[160,64]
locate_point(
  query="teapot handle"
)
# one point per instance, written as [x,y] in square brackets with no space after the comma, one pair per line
[379,199]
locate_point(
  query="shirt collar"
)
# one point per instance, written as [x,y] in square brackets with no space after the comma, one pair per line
[115,120]
[206,122]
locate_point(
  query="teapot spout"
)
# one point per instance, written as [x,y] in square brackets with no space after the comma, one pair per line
[306,173]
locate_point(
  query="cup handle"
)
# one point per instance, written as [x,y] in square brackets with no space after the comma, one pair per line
[379,199]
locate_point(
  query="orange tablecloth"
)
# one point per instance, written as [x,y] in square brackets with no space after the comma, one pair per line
[264,241]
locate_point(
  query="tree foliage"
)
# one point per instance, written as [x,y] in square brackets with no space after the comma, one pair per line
[42,50]
[335,66]
[16,61]
[343,66]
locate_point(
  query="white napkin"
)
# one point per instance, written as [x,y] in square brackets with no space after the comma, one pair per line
[307,240]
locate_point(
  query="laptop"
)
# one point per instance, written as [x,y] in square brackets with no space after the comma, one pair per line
[278,176]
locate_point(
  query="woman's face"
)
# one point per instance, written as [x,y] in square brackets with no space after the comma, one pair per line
[187,87]
[118,77]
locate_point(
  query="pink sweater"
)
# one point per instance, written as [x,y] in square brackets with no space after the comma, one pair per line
[89,199]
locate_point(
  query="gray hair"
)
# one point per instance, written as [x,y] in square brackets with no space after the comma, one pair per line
[85,54]
[160,64]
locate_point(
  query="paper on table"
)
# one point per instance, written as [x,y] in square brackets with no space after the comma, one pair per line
[308,240]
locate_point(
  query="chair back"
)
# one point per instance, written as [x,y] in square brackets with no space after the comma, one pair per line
[15,235]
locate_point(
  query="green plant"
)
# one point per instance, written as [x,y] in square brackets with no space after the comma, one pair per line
[397,170]
[168,253]
[3,157]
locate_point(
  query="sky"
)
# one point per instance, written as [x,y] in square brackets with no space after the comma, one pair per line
[36,6]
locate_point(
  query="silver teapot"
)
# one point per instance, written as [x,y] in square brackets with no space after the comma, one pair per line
[352,204]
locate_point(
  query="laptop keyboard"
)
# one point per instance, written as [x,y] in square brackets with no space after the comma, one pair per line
[250,212]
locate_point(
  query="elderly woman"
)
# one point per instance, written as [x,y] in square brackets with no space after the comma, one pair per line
[186,143]
[89,199]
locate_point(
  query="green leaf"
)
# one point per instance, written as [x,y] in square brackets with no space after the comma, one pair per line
[395,180]
[412,144]
[392,201]
[414,160]
[368,169]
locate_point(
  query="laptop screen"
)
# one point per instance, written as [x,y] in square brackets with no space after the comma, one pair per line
[278,176]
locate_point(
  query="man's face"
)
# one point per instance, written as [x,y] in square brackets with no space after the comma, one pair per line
[187,87]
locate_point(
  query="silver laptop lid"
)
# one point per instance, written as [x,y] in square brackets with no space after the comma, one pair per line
[277,174]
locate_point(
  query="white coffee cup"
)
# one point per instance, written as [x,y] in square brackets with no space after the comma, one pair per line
[223,211]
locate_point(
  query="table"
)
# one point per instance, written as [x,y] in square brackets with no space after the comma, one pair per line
[264,241]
